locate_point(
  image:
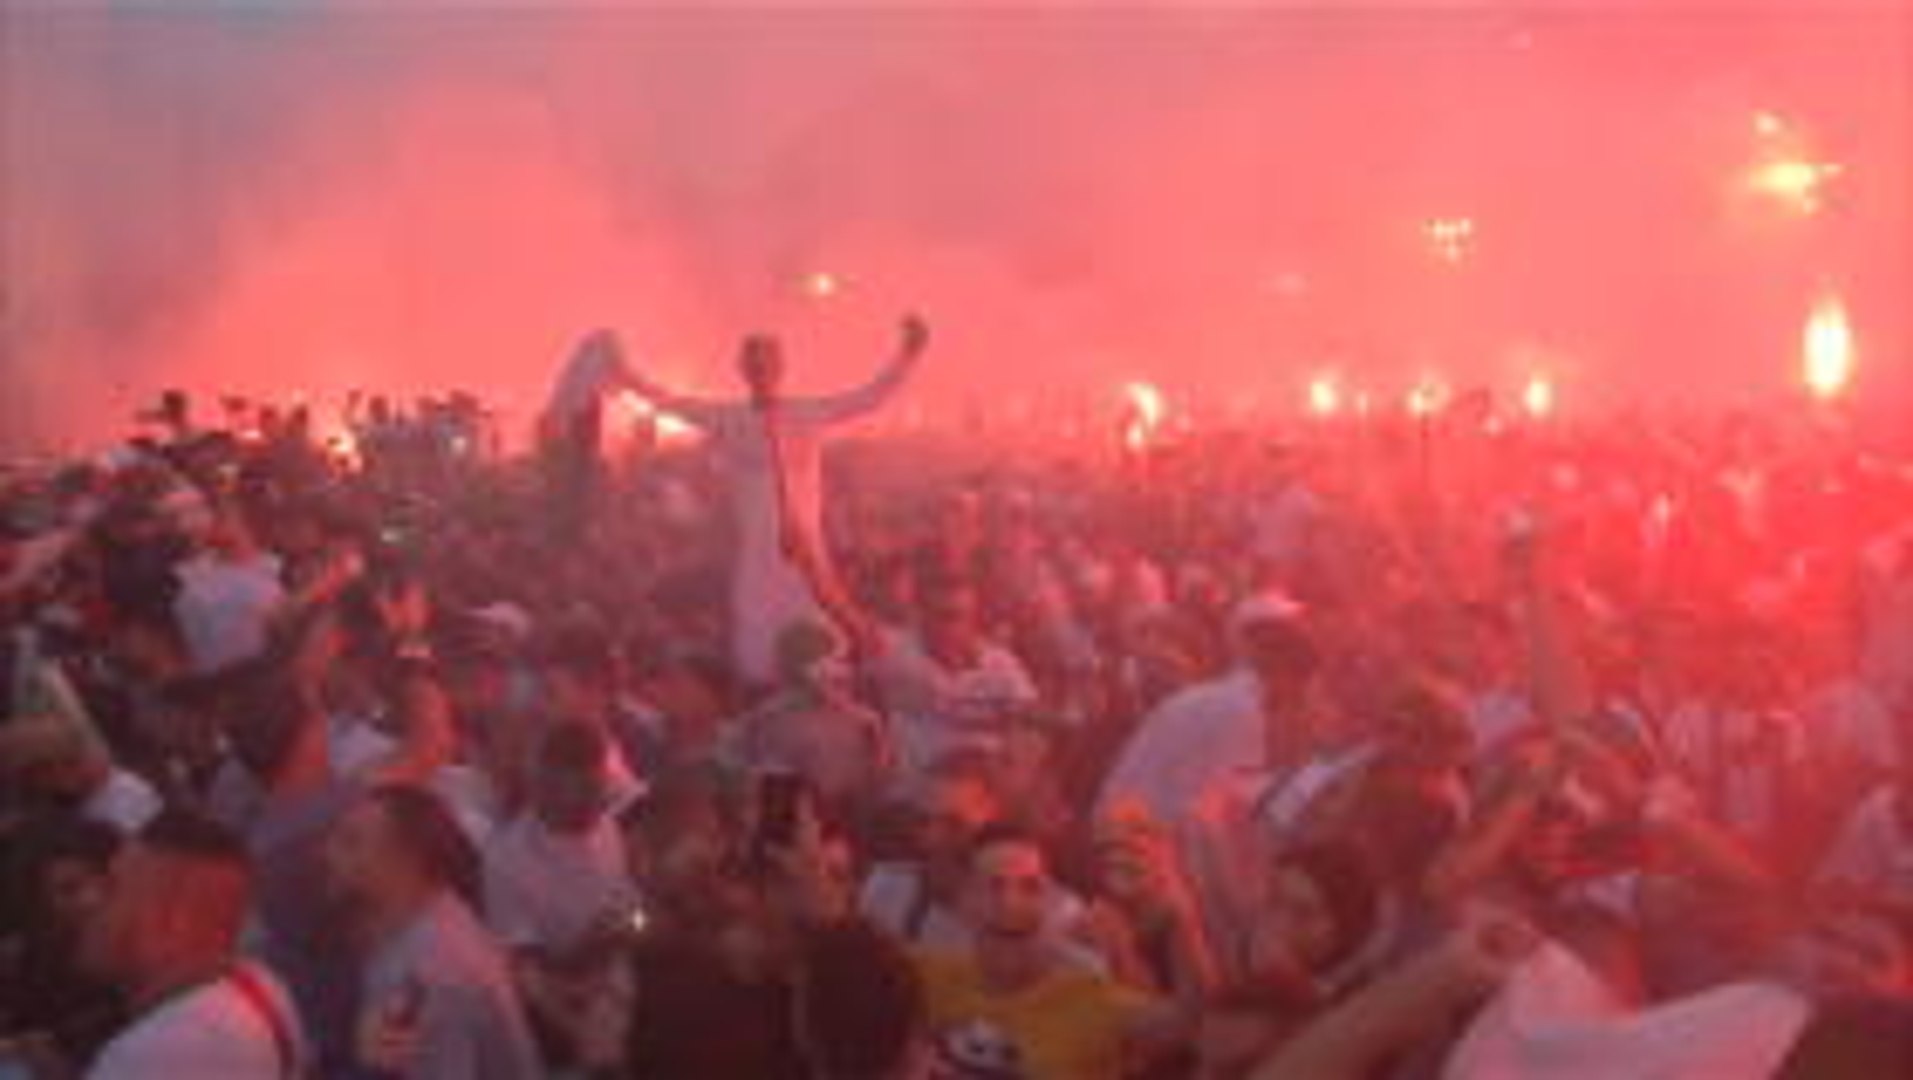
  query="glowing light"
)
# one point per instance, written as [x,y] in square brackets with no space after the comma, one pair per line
[822,285]
[1827,353]
[1146,400]
[1144,415]
[1450,237]
[672,432]
[1428,397]
[1325,396]
[1537,397]
[341,447]
[1769,125]
[1794,182]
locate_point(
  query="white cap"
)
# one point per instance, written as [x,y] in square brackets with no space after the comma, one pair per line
[1269,605]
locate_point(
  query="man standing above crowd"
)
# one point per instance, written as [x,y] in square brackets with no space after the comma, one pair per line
[767,592]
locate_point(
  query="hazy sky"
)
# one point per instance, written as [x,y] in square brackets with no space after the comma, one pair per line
[307,197]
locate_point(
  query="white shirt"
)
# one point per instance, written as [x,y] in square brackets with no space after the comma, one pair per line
[1195,738]
[767,593]
[124,801]
[212,1033]
[224,608]
[892,893]
[938,709]
[547,889]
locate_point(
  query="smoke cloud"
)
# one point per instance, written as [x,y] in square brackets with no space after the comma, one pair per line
[307,199]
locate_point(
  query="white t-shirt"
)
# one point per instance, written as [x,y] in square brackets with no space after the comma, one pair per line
[547,889]
[767,593]
[124,801]
[215,1032]
[224,608]
[938,710]
[1194,739]
[892,899]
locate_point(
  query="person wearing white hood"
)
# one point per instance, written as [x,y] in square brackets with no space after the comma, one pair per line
[767,592]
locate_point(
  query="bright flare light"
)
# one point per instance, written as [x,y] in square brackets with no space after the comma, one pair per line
[342,446]
[1145,415]
[1827,350]
[1538,397]
[1795,182]
[1427,397]
[672,431]
[1325,397]
[821,285]
[1450,237]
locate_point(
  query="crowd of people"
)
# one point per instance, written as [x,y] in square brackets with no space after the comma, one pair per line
[1358,747]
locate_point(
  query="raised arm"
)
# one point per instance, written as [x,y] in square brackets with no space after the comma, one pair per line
[619,374]
[1558,682]
[912,338]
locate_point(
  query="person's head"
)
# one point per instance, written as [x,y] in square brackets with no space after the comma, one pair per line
[679,836]
[275,727]
[954,801]
[1321,906]
[1007,891]
[568,780]
[952,620]
[229,533]
[580,675]
[860,1010]
[760,362]
[1281,654]
[175,899]
[56,870]
[1424,727]
[399,845]
[804,650]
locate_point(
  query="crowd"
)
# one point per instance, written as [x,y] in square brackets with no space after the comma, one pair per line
[1365,747]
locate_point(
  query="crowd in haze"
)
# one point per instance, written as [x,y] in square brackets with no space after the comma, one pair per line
[1362,747]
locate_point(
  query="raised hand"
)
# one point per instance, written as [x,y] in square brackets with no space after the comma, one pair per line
[914,334]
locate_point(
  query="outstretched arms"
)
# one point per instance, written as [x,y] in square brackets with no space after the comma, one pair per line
[913,336]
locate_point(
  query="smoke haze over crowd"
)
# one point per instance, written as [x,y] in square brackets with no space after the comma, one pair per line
[307,199]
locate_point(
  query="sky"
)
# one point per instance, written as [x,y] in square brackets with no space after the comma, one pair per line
[309,198]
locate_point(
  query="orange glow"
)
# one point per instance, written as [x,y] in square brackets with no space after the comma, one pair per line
[1450,237]
[341,447]
[1147,401]
[1427,397]
[1325,396]
[1538,397]
[672,432]
[822,285]
[1795,182]
[1827,354]
[1144,416]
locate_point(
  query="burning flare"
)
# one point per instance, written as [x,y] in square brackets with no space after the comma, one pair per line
[1538,397]
[1827,350]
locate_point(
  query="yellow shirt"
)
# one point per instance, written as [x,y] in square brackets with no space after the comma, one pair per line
[1070,1025]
